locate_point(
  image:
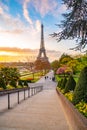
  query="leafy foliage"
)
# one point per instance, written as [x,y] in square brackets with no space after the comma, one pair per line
[64,59]
[2,83]
[64,70]
[8,75]
[70,85]
[25,83]
[75,23]
[73,64]
[13,83]
[61,70]
[60,83]
[55,65]
[63,83]
[20,83]
[80,92]
[42,65]
[69,96]
[82,107]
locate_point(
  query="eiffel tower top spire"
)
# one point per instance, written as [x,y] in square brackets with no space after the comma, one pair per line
[42,47]
[42,37]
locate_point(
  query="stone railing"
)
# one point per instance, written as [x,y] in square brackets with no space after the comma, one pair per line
[76,120]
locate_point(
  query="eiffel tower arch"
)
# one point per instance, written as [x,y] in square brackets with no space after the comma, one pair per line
[42,51]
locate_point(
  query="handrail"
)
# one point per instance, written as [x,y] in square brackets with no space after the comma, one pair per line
[31,91]
[4,92]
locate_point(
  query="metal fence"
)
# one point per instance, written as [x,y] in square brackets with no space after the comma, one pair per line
[29,90]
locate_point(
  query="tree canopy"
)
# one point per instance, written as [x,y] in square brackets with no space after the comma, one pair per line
[42,65]
[7,75]
[74,25]
[55,65]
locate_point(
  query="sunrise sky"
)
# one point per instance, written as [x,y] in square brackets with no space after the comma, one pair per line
[20,22]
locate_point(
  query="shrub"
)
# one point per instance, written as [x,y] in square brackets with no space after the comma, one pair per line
[9,87]
[1,89]
[2,83]
[13,83]
[63,83]
[70,85]
[82,107]
[20,83]
[59,83]
[69,96]
[25,83]
[80,92]
[19,86]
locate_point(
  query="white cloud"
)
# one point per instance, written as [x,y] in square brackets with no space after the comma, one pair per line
[38,25]
[14,33]
[26,12]
[45,6]
[62,8]
[1,11]
[9,24]
[5,7]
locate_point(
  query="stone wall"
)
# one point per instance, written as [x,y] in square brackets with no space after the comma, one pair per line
[76,120]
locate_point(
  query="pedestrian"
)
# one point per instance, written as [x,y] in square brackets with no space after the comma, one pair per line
[53,78]
[45,77]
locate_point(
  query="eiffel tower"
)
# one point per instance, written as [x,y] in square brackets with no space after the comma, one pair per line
[42,51]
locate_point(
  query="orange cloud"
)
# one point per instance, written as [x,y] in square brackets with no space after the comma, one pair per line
[16,54]
[15,31]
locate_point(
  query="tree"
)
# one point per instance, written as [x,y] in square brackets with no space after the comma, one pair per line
[75,24]
[64,70]
[60,83]
[2,83]
[61,70]
[20,83]
[80,92]
[9,75]
[70,85]
[81,62]
[63,82]
[64,59]
[42,65]
[13,83]
[55,65]
[73,64]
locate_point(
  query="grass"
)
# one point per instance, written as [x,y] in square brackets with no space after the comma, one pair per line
[32,76]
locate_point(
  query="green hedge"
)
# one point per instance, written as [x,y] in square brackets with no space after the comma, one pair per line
[70,85]
[80,92]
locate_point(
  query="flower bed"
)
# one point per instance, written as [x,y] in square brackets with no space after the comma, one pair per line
[81,106]
[76,120]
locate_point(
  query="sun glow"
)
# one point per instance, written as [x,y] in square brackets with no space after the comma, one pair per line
[8,53]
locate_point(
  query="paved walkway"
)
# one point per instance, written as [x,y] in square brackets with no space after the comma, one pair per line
[40,112]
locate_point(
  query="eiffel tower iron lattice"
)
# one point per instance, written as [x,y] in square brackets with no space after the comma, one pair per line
[42,51]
